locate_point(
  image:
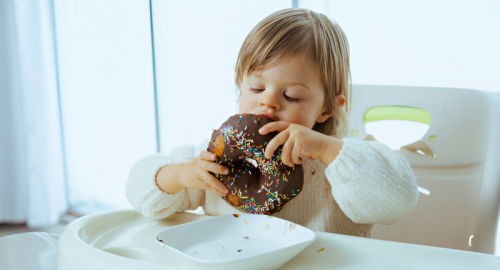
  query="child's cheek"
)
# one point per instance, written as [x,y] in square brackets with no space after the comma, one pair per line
[244,103]
[303,116]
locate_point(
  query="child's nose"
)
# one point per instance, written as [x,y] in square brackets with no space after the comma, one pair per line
[270,100]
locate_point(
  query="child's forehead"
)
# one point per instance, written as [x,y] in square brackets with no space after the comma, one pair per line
[284,81]
[289,69]
[256,74]
[297,59]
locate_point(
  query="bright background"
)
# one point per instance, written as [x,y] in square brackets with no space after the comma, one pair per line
[89,87]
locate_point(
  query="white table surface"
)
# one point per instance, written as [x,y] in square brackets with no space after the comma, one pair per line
[29,251]
[129,231]
[349,252]
[340,251]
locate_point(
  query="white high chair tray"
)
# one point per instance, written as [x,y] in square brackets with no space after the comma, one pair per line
[126,240]
[240,241]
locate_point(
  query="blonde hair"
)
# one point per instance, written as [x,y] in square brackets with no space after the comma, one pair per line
[295,31]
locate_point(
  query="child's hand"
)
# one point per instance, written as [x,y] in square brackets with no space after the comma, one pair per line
[298,140]
[196,174]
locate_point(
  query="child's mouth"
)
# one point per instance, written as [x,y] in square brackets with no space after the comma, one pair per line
[269,116]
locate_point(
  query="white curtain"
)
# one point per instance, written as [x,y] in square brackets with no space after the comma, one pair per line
[32,177]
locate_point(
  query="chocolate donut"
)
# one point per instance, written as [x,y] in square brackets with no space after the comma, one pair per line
[256,184]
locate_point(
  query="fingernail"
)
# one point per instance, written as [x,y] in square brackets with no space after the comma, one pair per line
[226,170]
[213,156]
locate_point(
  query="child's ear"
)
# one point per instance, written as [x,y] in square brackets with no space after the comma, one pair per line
[324,116]
[340,100]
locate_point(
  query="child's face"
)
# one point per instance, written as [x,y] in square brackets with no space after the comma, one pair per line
[290,90]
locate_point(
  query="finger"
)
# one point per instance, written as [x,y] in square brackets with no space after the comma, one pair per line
[278,140]
[213,167]
[286,153]
[273,126]
[296,152]
[209,182]
[213,182]
[205,155]
[203,185]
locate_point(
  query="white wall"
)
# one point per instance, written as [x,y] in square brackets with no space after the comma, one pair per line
[446,43]
[107,95]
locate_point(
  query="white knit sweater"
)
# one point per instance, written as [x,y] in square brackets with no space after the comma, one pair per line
[368,183]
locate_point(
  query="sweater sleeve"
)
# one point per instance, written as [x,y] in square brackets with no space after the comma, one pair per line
[372,183]
[147,198]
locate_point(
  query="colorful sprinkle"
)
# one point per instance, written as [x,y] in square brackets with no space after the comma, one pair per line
[238,140]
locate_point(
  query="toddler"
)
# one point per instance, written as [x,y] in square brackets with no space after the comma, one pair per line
[293,67]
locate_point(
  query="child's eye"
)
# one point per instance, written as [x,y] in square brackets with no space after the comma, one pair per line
[291,99]
[257,90]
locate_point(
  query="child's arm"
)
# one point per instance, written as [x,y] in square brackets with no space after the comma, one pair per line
[148,198]
[372,183]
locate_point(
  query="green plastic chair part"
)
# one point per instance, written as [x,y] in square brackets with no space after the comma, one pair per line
[414,114]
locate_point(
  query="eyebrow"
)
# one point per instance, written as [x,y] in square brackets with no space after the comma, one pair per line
[286,83]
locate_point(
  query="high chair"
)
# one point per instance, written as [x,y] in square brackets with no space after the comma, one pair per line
[456,161]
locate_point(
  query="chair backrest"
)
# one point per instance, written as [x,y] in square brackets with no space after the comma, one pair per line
[453,172]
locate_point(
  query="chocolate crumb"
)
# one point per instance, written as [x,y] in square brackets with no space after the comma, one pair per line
[236,215]
[314,172]
[245,237]
[159,239]
[240,250]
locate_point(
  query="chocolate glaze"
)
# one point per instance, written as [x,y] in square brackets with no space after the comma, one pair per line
[256,184]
